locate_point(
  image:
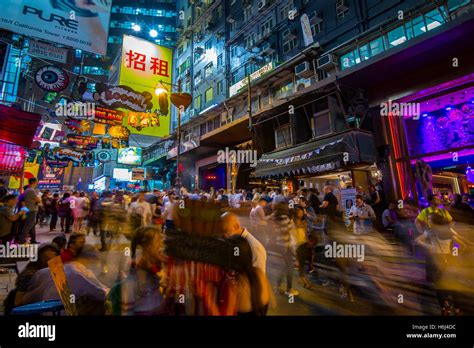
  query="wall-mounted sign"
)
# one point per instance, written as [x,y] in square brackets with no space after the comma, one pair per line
[82,142]
[68,154]
[119,132]
[43,50]
[50,177]
[78,24]
[306,27]
[104,156]
[235,88]
[51,78]
[108,116]
[57,163]
[80,126]
[138,174]
[130,156]
[145,63]
[140,120]
[123,97]
[100,184]
[30,171]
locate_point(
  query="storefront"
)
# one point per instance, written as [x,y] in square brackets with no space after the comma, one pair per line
[345,160]
[433,150]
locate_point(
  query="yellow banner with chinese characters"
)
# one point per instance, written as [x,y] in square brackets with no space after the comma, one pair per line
[143,66]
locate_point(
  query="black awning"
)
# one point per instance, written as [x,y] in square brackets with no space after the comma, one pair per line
[319,156]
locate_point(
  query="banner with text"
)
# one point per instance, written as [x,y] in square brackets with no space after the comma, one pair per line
[79,24]
[143,66]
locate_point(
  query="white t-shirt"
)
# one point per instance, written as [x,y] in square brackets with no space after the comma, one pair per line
[364,224]
[168,212]
[259,254]
[257,216]
[143,209]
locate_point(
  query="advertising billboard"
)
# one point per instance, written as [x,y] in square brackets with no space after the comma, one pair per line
[122,174]
[130,156]
[50,178]
[144,65]
[79,24]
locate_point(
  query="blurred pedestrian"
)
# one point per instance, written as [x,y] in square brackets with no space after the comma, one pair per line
[54,212]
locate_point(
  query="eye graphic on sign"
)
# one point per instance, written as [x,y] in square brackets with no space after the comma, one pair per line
[104,156]
[51,78]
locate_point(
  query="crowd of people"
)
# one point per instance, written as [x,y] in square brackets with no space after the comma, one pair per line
[295,226]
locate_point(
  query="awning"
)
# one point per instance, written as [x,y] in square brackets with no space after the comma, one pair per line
[319,156]
[17,126]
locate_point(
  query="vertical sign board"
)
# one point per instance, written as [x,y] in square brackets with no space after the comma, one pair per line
[143,66]
[306,27]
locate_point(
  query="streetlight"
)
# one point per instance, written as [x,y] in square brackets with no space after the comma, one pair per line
[182,102]
[136,27]
[153,33]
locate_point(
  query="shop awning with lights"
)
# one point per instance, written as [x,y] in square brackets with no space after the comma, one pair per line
[17,126]
[319,156]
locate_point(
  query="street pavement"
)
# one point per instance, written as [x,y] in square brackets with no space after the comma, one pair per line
[390,281]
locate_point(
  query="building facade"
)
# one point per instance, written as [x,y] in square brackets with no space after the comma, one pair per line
[312,68]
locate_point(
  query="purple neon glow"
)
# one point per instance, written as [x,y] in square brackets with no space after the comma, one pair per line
[445,156]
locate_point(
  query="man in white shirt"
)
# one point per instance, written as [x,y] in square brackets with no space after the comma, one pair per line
[231,226]
[142,209]
[362,215]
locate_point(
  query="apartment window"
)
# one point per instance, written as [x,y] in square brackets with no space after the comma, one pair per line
[197,79]
[434,19]
[234,51]
[249,41]
[342,9]
[350,59]
[247,13]
[197,102]
[217,122]
[220,87]
[180,50]
[283,137]
[208,70]
[364,52]
[202,128]
[316,23]
[377,46]
[396,36]
[455,4]
[321,124]
[286,9]
[220,61]
[208,44]
[208,96]
[266,27]
[288,41]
